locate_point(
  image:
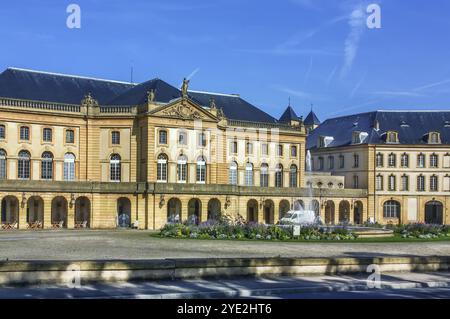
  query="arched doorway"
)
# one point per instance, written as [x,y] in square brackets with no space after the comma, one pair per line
[174,211]
[329,213]
[344,212]
[269,212]
[123,212]
[358,213]
[10,210]
[194,211]
[252,211]
[35,212]
[299,205]
[214,209]
[434,213]
[314,206]
[285,206]
[59,211]
[82,212]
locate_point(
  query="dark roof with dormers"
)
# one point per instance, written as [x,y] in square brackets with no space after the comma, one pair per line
[288,115]
[412,127]
[60,88]
[311,119]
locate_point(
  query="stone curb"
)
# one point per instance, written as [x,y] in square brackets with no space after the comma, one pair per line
[61,272]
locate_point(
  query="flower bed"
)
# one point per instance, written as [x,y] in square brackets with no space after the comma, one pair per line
[237,228]
[422,231]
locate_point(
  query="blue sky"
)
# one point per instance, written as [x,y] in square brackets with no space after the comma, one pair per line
[315,52]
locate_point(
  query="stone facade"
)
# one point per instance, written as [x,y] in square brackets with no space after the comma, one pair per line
[89,165]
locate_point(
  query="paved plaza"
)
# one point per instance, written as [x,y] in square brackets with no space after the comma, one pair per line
[127,244]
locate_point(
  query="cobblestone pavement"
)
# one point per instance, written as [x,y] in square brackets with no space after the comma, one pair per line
[127,244]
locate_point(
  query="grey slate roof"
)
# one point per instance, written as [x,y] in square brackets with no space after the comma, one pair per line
[311,119]
[233,106]
[288,115]
[412,127]
[60,88]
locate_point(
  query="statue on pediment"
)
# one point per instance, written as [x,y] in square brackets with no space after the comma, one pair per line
[151,96]
[184,88]
[212,104]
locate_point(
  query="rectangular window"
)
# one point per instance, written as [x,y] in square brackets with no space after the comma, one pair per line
[405,183]
[201,171]
[331,163]
[379,183]
[355,161]
[392,160]
[2,131]
[293,151]
[47,135]
[434,161]
[341,161]
[182,138]
[280,150]
[233,147]
[434,183]
[447,183]
[420,183]
[421,161]
[163,137]
[24,133]
[355,181]
[380,160]
[115,138]
[249,148]
[320,164]
[405,161]
[70,136]
[391,183]
[201,139]
[264,149]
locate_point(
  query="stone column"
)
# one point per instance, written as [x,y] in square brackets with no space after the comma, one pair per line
[47,212]
[70,214]
[22,214]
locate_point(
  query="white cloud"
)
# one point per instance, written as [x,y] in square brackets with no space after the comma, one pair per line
[356,22]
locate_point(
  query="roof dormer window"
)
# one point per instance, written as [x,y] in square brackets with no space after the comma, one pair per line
[325,141]
[434,138]
[391,137]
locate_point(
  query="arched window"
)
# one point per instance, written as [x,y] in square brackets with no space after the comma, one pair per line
[293,176]
[249,174]
[115,168]
[264,178]
[421,160]
[24,165]
[391,209]
[233,173]
[201,170]
[392,137]
[182,169]
[434,161]
[2,164]
[279,175]
[161,169]
[47,166]
[69,167]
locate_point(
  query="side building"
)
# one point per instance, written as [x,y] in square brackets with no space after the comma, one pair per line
[85,152]
[402,159]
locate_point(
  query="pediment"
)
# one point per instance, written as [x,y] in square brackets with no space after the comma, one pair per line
[184,109]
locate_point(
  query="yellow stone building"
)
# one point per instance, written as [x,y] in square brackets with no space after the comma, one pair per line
[402,159]
[82,152]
